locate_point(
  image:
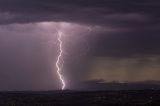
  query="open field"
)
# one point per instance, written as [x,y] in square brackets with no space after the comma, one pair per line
[82,98]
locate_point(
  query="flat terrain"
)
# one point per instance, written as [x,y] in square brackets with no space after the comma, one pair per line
[77,98]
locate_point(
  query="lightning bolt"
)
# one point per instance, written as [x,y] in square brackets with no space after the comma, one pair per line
[59,62]
[59,59]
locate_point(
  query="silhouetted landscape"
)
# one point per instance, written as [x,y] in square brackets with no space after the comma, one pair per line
[93,94]
[81,98]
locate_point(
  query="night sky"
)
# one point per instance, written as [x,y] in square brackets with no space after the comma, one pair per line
[104,40]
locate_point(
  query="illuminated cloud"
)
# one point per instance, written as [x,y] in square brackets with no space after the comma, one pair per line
[128,69]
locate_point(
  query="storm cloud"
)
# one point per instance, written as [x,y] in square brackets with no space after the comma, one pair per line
[104,12]
[131,21]
[122,31]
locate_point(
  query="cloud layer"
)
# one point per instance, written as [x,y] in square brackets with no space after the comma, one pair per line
[122,13]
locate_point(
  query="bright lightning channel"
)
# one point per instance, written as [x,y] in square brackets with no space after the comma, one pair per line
[58,62]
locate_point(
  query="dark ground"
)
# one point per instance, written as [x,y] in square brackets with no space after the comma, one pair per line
[77,98]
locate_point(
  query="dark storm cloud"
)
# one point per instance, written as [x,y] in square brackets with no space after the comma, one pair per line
[127,28]
[137,21]
[124,44]
[124,13]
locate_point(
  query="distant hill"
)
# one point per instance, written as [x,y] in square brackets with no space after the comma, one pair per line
[100,85]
